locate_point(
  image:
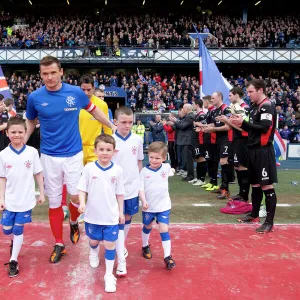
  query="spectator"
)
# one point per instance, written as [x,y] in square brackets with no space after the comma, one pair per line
[171,141]
[288,114]
[4,141]
[297,114]
[185,127]
[114,81]
[9,104]
[285,133]
[139,129]
[157,129]
[293,124]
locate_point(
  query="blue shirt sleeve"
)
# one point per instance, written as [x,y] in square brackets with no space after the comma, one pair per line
[31,112]
[84,100]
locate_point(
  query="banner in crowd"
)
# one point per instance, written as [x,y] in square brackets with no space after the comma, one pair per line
[142,78]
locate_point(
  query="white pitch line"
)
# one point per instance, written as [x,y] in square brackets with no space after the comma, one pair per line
[37,193]
[210,204]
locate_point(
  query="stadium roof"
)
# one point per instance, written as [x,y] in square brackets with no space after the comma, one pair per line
[265,7]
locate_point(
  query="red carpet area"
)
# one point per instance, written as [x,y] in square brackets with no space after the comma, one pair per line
[213,262]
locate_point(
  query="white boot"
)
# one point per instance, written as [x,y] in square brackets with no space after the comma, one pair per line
[110,283]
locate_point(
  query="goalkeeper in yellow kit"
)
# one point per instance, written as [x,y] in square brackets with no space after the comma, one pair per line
[89,127]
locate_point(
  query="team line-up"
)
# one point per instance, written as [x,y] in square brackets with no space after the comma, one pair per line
[107,169]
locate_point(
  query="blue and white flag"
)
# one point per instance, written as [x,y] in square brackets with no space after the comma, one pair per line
[210,78]
[142,78]
[279,145]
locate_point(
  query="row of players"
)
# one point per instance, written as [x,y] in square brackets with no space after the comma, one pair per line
[239,136]
[57,106]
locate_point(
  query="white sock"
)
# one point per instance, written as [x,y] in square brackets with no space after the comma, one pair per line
[120,246]
[109,264]
[95,250]
[145,239]
[167,248]
[18,241]
[126,230]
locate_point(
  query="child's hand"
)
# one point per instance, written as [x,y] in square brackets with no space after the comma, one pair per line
[172,172]
[2,205]
[121,219]
[41,199]
[81,208]
[145,205]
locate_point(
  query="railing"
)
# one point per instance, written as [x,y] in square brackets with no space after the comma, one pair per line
[148,55]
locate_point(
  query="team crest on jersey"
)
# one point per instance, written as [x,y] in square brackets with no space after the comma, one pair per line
[70,101]
[7,166]
[163,174]
[45,104]
[94,177]
[134,150]
[147,177]
[28,164]
[113,179]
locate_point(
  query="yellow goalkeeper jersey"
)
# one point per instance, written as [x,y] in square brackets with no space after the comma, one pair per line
[89,127]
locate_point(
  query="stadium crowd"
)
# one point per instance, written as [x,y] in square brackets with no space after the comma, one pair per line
[56,32]
[167,93]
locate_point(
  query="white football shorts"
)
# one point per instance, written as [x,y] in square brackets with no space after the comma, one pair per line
[61,170]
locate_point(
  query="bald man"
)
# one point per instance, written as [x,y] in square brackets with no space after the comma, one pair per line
[186,127]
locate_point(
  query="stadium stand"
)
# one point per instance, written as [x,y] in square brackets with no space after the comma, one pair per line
[56,32]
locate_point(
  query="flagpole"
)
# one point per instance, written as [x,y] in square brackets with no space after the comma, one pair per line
[200,62]
[200,76]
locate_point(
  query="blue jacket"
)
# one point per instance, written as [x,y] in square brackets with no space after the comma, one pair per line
[158,132]
[285,134]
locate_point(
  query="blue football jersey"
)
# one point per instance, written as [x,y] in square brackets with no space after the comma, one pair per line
[58,113]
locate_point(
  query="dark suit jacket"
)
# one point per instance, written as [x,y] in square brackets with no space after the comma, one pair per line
[185,129]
